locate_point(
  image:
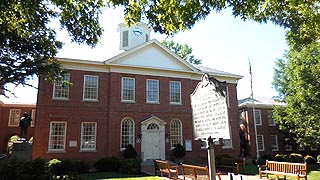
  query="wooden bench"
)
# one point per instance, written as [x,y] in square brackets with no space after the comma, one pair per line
[196,172]
[231,164]
[164,167]
[298,170]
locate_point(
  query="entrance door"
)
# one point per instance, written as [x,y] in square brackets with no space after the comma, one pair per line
[152,150]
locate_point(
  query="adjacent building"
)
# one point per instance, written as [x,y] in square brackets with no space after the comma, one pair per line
[139,97]
[270,141]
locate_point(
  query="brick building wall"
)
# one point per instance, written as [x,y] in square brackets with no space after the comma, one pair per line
[108,112]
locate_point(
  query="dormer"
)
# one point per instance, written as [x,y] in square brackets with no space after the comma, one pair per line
[133,36]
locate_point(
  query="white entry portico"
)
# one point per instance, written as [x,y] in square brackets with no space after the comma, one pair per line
[153,138]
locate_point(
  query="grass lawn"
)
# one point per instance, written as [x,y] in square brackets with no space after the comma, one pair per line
[116,175]
[313,174]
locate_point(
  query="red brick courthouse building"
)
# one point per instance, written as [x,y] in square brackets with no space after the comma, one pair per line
[139,97]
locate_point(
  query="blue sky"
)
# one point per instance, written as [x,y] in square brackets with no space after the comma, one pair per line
[221,41]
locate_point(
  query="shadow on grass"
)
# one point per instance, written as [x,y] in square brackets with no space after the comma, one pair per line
[115,175]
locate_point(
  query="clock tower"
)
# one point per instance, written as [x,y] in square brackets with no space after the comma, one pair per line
[133,36]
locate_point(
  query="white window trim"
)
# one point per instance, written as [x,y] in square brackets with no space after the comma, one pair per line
[54,89]
[277,145]
[260,124]
[181,128]
[156,102]
[65,136]
[274,122]
[83,94]
[134,90]
[10,114]
[95,135]
[175,103]
[133,132]
[262,139]
[33,117]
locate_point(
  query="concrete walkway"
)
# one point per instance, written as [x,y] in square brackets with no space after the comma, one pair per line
[148,168]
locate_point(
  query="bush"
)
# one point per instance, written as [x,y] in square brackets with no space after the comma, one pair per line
[296,158]
[179,151]
[318,158]
[281,157]
[131,166]
[107,164]
[130,152]
[268,157]
[67,167]
[310,160]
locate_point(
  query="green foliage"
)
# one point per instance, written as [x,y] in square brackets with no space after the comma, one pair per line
[296,78]
[318,158]
[131,166]
[281,157]
[130,152]
[179,151]
[296,158]
[28,44]
[67,167]
[299,18]
[107,164]
[310,159]
[183,51]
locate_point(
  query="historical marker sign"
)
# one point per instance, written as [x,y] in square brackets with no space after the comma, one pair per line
[210,110]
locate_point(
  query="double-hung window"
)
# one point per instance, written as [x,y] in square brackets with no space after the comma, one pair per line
[274,142]
[88,136]
[128,89]
[57,136]
[60,90]
[271,121]
[175,92]
[14,117]
[260,142]
[90,89]
[152,91]
[257,117]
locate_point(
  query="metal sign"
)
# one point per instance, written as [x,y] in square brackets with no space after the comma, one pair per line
[210,110]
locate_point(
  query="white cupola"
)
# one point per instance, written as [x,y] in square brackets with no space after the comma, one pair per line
[133,36]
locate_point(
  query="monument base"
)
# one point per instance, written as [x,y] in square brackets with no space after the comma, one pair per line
[22,150]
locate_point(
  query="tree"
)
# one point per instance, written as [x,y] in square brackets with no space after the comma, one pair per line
[297,79]
[28,44]
[184,51]
[300,18]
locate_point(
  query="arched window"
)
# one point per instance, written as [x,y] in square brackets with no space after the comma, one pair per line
[153,126]
[127,133]
[175,132]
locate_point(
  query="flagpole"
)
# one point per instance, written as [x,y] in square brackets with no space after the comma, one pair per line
[253,111]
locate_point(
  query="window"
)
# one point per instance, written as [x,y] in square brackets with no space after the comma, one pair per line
[90,89]
[33,117]
[88,136]
[260,142]
[274,142]
[175,132]
[257,114]
[14,117]
[175,92]
[128,89]
[61,91]
[152,91]
[288,147]
[125,38]
[127,132]
[57,137]
[270,119]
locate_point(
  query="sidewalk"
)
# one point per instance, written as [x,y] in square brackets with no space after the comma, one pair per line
[148,168]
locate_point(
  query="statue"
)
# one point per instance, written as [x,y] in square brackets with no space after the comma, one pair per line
[243,135]
[24,123]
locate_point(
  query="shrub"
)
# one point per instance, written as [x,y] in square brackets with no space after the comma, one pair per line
[281,157]
[318,158]
[130,152]
[179,151]
[268,157]
[296,158]
[131,166]
[67,167]
[107,164]
[310,160]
